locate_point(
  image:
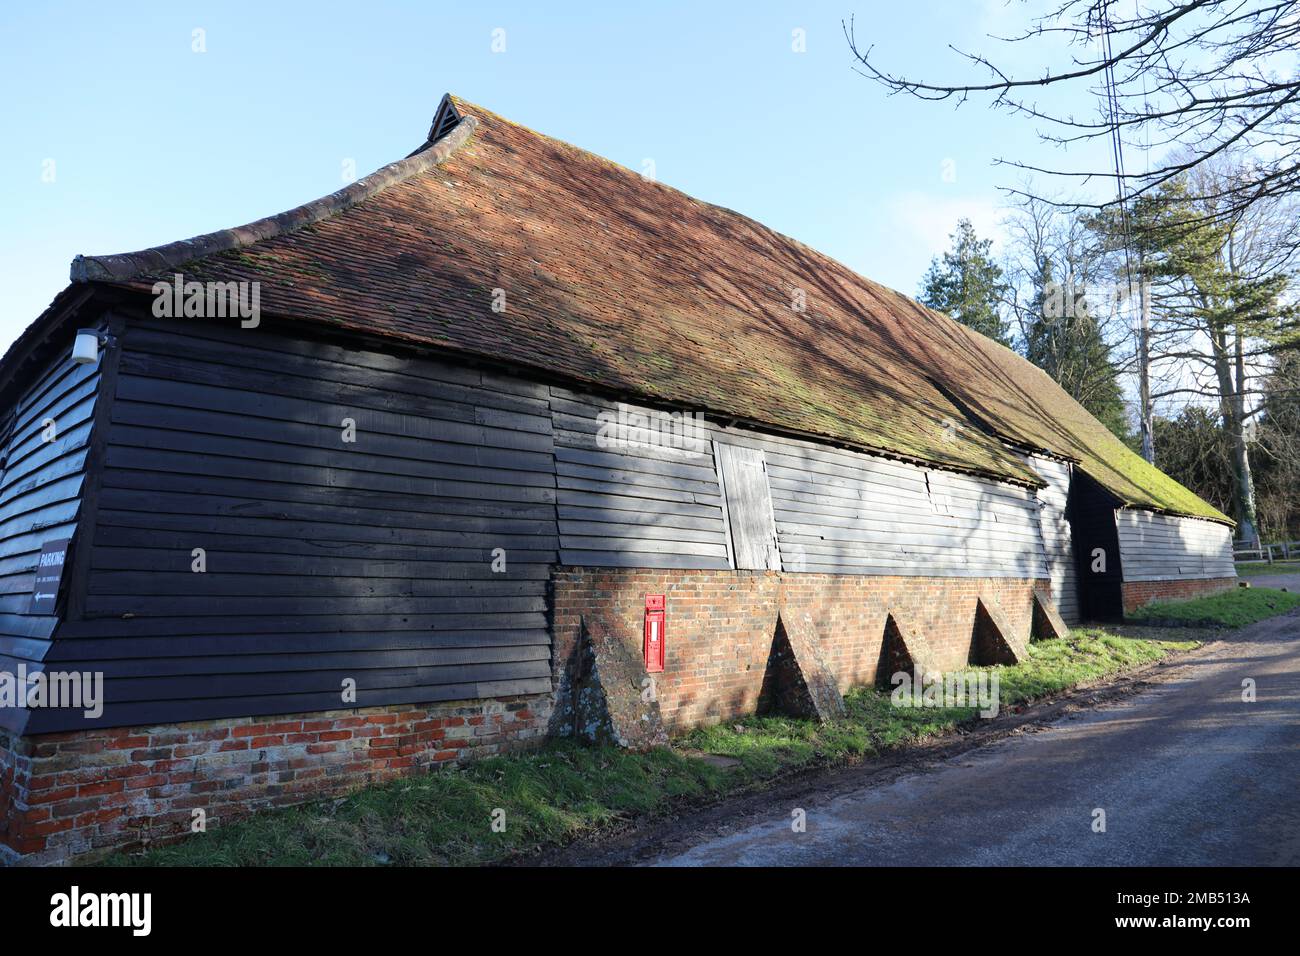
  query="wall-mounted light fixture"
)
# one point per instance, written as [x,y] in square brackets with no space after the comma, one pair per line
[85,350]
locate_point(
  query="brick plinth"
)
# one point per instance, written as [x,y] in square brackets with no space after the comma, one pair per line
[66,794]
[720,626]
[1141,593]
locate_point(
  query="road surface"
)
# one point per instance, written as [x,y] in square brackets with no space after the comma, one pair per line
[1186,772]
[1289,581]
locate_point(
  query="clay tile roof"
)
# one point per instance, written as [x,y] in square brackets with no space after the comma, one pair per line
[616,281]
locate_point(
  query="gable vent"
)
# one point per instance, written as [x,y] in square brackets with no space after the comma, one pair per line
[444,120]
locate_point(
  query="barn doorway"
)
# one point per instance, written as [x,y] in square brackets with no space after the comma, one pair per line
[1091,511]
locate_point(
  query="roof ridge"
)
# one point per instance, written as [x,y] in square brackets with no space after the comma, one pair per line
[128,265]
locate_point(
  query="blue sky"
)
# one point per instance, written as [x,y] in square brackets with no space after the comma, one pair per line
[120,136]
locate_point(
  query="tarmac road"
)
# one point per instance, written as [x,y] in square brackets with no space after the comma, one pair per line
[1290,582]
[1186,772]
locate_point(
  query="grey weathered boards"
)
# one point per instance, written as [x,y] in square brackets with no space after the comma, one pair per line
[1058,542]
[43,445]
[637,502]
[749,507]
[625,496]
[1156,547]
[846,512]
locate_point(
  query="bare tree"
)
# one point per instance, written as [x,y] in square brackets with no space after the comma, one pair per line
[1213,88]
[1209,76]
[1218,288]
[1067,305]
[1277,450]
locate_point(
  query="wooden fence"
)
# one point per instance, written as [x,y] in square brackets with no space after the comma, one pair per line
[1246,551]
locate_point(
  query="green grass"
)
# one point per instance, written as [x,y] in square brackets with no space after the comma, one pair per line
[1235,608]
[445,817]
[553,795]
[1251,569]
[770,745]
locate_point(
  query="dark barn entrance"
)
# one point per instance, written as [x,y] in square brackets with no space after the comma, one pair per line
[1091,512]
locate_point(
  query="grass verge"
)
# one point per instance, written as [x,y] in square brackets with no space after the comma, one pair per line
[767,746]
[1256,569]
[553,795]
[1235,608]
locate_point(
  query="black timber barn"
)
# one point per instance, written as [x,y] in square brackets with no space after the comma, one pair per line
[413,437]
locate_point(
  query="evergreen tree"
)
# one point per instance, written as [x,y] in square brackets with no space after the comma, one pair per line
[1056,264]
[1063,338]
[1193,449]
[967,284]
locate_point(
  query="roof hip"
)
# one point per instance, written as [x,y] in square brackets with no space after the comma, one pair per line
[128,265]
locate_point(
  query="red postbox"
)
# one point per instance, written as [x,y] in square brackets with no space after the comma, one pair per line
[655,612]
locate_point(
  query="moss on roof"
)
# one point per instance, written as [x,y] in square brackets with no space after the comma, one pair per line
[617,281]
[1026,405]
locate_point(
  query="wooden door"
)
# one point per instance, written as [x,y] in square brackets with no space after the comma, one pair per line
[749,507]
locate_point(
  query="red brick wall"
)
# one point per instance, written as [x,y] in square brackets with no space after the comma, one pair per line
[13,775]
[1140,593]
[62,795]
[70,793]
[720,625]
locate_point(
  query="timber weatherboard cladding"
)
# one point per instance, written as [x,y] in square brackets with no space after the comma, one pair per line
[1158,547]
[325,559]
[836,510]
[372,559]
[1058,541]
[41,486]
[843,512]
[632,501]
